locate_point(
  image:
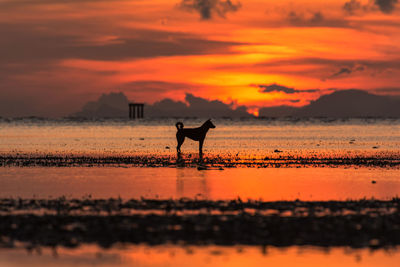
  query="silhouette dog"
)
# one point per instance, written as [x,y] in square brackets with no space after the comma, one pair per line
[196,134]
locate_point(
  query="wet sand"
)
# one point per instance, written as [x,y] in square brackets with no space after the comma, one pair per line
[127,141]
[383,160]
[107,222]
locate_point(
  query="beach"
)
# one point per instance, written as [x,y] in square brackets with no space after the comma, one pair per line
[270,189]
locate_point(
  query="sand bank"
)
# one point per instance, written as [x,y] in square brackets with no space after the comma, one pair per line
[106,222]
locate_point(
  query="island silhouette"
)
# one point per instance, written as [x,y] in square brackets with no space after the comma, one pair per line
[339,104]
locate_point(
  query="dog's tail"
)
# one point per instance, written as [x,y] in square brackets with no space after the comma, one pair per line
[179,125]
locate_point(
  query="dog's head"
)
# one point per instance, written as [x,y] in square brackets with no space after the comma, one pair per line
[210,124]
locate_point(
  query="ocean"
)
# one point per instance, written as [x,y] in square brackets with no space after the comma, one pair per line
[248,138]
[298,192]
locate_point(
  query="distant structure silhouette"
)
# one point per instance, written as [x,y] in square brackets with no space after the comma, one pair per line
[136,110]
[196,134]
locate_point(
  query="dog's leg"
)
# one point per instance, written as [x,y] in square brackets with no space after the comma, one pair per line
[179,158]
[179,138]
[201,148]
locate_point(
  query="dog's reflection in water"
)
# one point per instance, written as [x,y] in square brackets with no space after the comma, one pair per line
[196,134]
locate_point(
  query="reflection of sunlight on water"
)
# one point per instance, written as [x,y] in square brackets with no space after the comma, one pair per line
[141,256]
[269,184]
[254,138]
[191,182]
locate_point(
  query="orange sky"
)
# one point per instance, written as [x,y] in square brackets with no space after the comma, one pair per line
[57,55]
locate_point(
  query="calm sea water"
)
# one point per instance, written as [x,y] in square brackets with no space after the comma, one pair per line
[268,184]
[253,138]
[244,138]
[163,256]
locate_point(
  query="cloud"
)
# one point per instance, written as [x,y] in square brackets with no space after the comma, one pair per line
[115,105]
[25,43]
[326,68]
[112,105]
[279,88]
[31,55]
[201,107]
[298,18]
[314,19]
[341,72]
[353,7]
[386,6]
[345,71]
[208,8]
[142,89]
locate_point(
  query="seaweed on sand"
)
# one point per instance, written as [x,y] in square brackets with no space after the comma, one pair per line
[105,222]
[383,161]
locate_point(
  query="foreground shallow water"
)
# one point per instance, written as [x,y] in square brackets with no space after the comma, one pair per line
[162,256]
[268,184]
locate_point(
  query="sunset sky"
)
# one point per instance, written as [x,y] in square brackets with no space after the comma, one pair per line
[58,54]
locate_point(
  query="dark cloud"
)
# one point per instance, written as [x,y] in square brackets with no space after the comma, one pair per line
[142,89]
[353,7]
[324,68]
[345,71]
[275,88]
[116,105]
[314,19]
[112,105]
[279,88]
[25,43]
[208,8]
[297,18]
[341,72]
[386,6]
[381,64]
[200,107]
